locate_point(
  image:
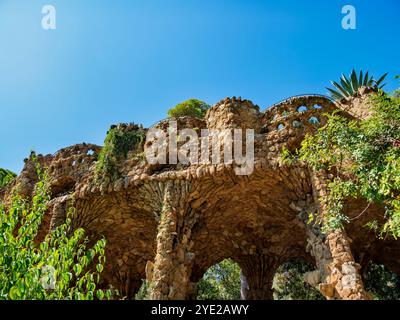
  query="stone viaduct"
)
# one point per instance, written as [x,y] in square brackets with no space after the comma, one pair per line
[170,223]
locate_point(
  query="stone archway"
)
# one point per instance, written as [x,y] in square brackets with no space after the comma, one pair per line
[185,218]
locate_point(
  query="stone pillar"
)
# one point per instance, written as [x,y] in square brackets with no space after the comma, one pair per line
[339,273]
[170,279]
[256,277]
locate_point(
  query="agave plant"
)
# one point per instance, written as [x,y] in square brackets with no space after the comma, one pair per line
[349,87]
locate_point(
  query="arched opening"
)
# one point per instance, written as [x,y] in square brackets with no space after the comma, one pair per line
[314,120]
[280,127]
[296,124]
[220,282]
[302,109]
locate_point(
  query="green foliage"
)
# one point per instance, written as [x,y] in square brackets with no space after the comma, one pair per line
[288,282]
[60,267]
[120,140]
[349,86]
[220,282]
[364,157]
[396,93]
[6,177]
[381,283]
[191,107]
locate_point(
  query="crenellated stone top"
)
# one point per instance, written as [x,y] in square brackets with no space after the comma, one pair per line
[284,124]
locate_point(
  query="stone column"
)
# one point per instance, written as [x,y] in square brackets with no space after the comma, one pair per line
[339,273]
[170,278]
[256,277]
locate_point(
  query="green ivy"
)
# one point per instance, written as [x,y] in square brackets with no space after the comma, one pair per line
[120,140]
[61,267]
[364,158]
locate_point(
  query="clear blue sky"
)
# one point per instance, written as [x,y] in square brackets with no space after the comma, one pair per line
[129,61]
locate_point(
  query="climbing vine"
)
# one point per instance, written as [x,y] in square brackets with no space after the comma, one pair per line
[60,267]
[363,159]
[120,140]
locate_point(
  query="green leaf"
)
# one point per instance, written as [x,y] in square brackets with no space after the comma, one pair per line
[366,80]
[341,89]
[381,79]
[77,269]
[100,294]
[354,81]
[44,246]
[14,293]
[361,78]
[99,268]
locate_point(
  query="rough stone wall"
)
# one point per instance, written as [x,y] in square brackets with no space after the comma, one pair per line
[340,273]
[170,223]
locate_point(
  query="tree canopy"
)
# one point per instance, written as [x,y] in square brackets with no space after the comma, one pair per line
[191,107]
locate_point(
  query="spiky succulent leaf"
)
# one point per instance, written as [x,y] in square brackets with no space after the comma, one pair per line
[342,90]
[366,79]
[371,83]
[335,95]
[361,78]
[346,85]
[354,81]
[381,79]
[349,86]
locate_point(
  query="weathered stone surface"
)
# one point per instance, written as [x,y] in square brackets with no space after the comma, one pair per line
[170,223]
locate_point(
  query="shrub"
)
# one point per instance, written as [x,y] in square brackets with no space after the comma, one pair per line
[120,140]
[191,108]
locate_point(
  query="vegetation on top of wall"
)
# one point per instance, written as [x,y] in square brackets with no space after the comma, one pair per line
[61,267]
[364,158]
[191,107]
[6,176]
[350,86]
[121,139]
